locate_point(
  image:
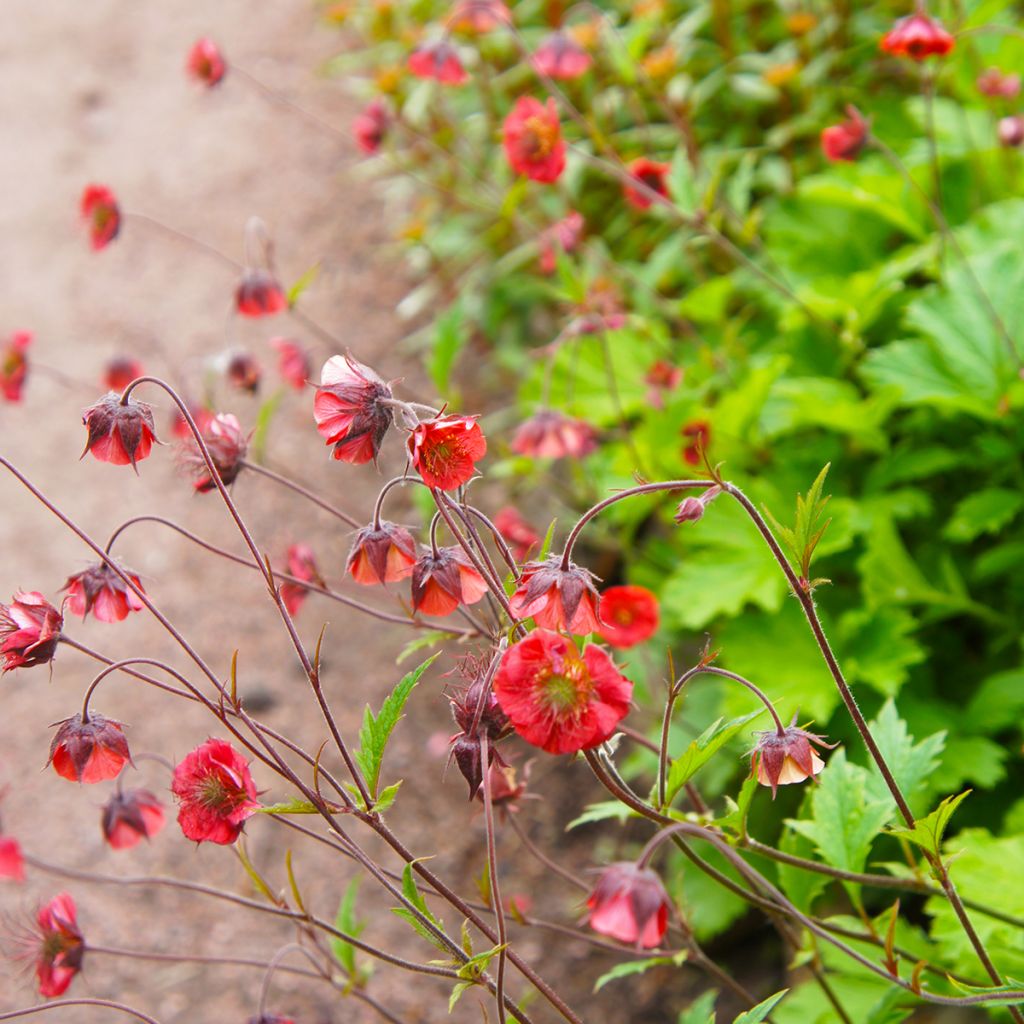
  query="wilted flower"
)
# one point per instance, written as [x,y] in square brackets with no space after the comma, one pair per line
[89,750]
[691,509]
[120,371]
[557,598]
[206,63]
[259,293]
[121,433]
[12,862]
[698,436]
[917,36]
[993,82]
[629,904]
[302,565]
[29,631]
[549,434]
[445,450]
[559,56]
[371,125]
[131,816]
[782,758]
[243,372]
[293,363]
[443,581]
[438,60]
[14,365]
[557,699]
[844,141]
[1011,130]
[59,948]
[650,177]
[227,445]
[381,554]
[100,590]
[520,536]
[351,409]
[629,615]
[563,236]
[102,215]
[533,140]
[479,15]
[216,793]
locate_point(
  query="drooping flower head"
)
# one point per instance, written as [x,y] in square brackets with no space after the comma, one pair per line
[59,946]
[844,141]
[259,293]
[629,904]
[559,56]
[29,631]
[130,816]
[438,60]
[445,450]
[520,536]
[533,140]
[650,176]
[216,793]
[629,616]
[101,214]
[563,236]
[558,699]
[995,83]
[120,371]
[381,554]
[602,309]
[691,509]
[549,434]
[661,378]
[89,750]
[917,36]
[206,63]
[121,433]
[351,410]
[1011,131]
[442,582]
[780,759]
[14,365]
[302,565]
[697,437]
[293,362]
[371,125]
[557,598]
[101,591]
[227,445]
[244,372]
[12,861]
[478,16]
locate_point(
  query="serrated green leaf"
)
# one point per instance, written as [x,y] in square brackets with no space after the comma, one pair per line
[603,811]
[415,897]
[985,511]
[289,807]
[630,967]
[417,643]
[346,921]
[387,796]
[910,763]
[296,290]
[460,987]
[761,1011]
[878,647]
[928,831]
[735,818]
[701,1010]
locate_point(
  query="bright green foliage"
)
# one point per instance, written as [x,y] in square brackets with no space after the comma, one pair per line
[761,1011]
[701,1010]
[927,832]
[629,967]
[347,922]
[809,527]
[415,897]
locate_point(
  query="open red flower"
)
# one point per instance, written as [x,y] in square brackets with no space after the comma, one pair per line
[259,293]
[649,174]
[557,598]
[918,37]
[845,140]
[101,591]
[216,793]
[293,362]
[629,904]
[101,214]
[89,750]
[206,63]
[442,582]
[559,56]
[438,60]
[381,554]
[14,365]
[120,371]
[533,140]
[244,372]
[121,433]
[520,536]
[479,15]
[698,436]
[629,616]
[553,435]
[351,409]
[131,816]
[563,236]
[445,450]
[780,759]
[371,125]
[558,699]
[29,631]
[12,862]
[302,565]
[227,445]
[60,949]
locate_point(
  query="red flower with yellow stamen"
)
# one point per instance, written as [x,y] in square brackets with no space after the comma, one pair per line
[60,947]
[533,140]
[14,365]
[29,631]
[445,450]
[101,214]
[215,792]
[629,615]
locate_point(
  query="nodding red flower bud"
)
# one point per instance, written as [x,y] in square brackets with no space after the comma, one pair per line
[59,946]
[259,293]
[533,140]
[12,862]
[371,125]
[520,536]
[629,904]
[1011,130]
[559,56]
[697,434]
[227,445]
[101,591]
[553,435]
[563,236]
[917,36]
[844,141]
[14,365]
[993,82]
[383,554]
[467,753]
[479,15]
[445,450]
[206,63]
[89,750]
[293,362]
[650,176]
[101,214]
[629,615]
[351,409]
[442,582]
[243,372]
[780,759]
[691,509]
[131,816]
[120,371]
[556,698]
[121,433]
[216,793]
[438,60]
[29,631]
[557,598]
[302,565]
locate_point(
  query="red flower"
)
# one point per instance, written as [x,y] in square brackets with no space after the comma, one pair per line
[179,425]
[557,598]
[520,536]
[780,759]
[442,582]
[29,631]
[121,433]
[630,904]
[120,371]
[661,378]
[371,125]
[102,215]
[206,63]
[992,82]
[553,435]
[381,554]
[101,591]
[559,56]
[917,36]
[259,293]
[533,140]
[12,863]
[629,616]
[601,310]
[479,15]
[14,365]
[651,175]
[89,750]
[216,793]
[351,410]
[557,699]
[438,60]
[131,816]
[1011,130]
[227,446]
[698,433]
[844,141]
[445,450]
[243,372]
[60,949]
[691,509]
[293,364]
[302,565]
[563,236]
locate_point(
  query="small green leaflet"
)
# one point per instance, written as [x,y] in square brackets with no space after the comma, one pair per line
[296,290]
[347,922]
[449,339]
[735,818]
[761,1011]
[417,643]
[628,967]
[701,1010]
[377,729]
[413,895]
[928,832]
[471,971]
[290,807]
[601,812]
[808,529]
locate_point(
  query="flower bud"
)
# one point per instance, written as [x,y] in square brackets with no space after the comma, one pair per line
[101,214]
[780,759]
[259,293]
[557,598]
[552,435]
[691,509]
[243,372]
[442,582]
[131,816]
[206,63]
[12,862]
[1011,131]
[629,904]
[384,554]
[438,60]
[89,750]
[14,365]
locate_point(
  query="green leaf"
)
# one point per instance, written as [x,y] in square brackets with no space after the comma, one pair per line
[911,764]
[701,1010]
[415,897]
[289,807]
[761,1011]
[629,967]
[802,887]
[417,643]
[603,811]
[735,818]
[460,987]
[346,921]
[878,648]
[296,290]
[449,339]
[682,185]
[387,796]
[809,525]
[986,511]
[928,831]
